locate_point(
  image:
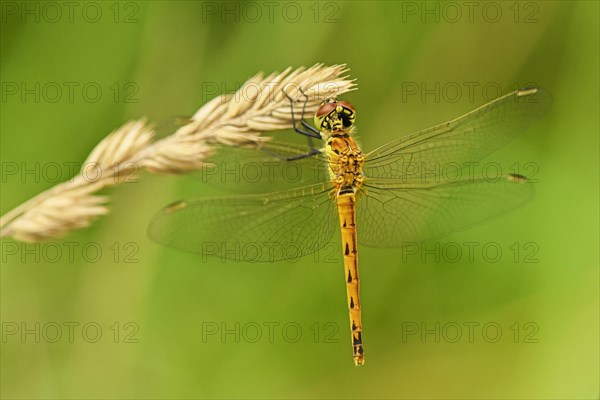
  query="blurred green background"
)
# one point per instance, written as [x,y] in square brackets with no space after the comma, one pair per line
[159,59]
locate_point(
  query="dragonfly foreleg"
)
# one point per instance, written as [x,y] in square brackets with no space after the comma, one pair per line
[310,131]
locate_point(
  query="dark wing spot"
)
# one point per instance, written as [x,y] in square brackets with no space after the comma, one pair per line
[353,326]
[351,302]
[349,276]
[347,251]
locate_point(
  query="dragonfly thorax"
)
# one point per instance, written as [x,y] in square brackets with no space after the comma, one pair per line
[345,163]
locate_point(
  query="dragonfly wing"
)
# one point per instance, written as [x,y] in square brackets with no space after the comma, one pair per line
[426,154]
[261,167]
[265,227]
[394,216]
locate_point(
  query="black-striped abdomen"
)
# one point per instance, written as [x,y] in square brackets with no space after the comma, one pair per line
[347,214]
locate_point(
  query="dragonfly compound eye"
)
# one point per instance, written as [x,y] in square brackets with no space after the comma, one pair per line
[322,116]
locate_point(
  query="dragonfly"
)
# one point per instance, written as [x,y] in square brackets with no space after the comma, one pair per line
[399,193]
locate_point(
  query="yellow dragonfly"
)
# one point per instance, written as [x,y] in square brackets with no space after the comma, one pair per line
[410,189]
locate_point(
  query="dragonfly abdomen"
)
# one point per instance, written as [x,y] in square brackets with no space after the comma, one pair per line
[346,204]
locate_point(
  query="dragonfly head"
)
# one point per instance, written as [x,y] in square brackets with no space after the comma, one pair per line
[334,116]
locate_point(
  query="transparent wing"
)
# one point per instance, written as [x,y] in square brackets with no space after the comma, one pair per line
[264,167]
[393,216]
[425,156]
[266,227]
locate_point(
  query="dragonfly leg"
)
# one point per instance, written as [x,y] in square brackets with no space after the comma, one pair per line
[310,153]
[303,121]
[310,131]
